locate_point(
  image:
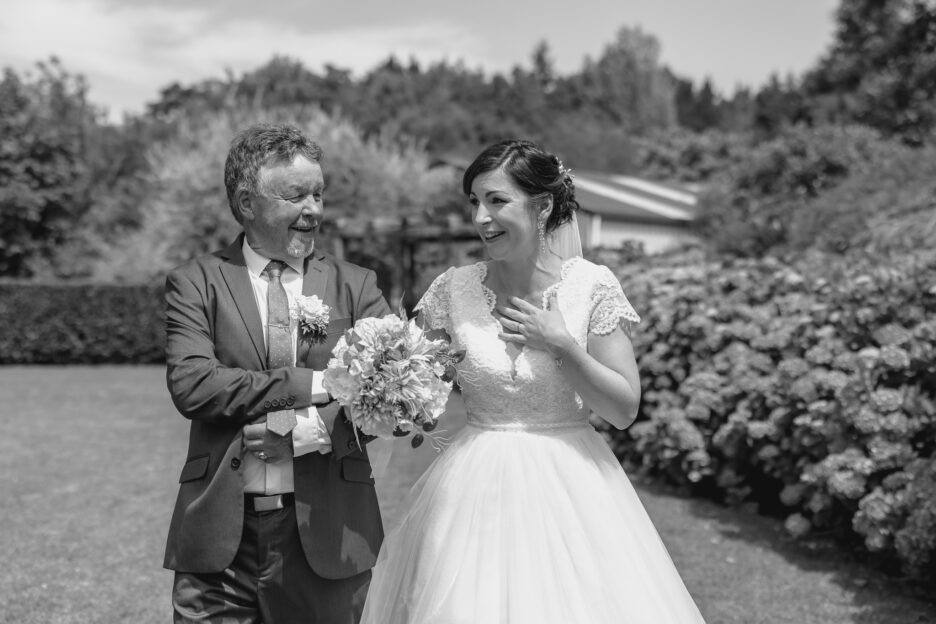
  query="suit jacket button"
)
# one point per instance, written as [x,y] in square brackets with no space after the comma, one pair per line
[290,401]
[235,463]
[352,444]
[267,404]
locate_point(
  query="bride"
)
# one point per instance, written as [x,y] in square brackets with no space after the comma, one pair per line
[528,517]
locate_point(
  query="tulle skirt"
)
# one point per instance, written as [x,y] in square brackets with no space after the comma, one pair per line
[512,526]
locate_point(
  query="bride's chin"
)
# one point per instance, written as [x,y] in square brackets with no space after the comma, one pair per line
[508,253]
[498,250]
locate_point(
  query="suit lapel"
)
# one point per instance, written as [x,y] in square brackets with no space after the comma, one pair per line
[234,272]
[317,274]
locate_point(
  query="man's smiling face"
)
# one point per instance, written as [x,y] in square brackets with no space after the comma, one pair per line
[286,211]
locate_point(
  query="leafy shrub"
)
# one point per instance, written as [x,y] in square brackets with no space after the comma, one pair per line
[771,199]
[833,189]
[806,388]
[81,323]
[689,157]
[44,179]
[186,213]
[890,209]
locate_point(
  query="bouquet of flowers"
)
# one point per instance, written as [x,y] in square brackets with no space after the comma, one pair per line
[390,377]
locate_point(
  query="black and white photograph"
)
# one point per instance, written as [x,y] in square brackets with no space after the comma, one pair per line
[605,312]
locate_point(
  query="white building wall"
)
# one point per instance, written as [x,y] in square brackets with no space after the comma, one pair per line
[655,238]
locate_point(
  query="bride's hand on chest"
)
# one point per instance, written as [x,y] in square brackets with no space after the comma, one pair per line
[524,323]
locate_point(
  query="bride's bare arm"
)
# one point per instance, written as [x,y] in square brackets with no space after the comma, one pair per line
[605,376]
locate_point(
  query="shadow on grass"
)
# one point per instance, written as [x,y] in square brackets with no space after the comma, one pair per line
[840,583]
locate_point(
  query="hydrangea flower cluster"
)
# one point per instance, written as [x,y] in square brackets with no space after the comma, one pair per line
[390,377]
[815,378]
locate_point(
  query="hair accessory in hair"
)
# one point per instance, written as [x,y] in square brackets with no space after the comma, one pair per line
[563,171]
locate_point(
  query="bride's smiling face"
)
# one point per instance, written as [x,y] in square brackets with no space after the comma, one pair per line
[504,215]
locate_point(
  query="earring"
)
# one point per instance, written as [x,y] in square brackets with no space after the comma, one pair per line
[541,232]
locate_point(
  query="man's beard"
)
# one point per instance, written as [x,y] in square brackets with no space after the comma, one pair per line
[300,249]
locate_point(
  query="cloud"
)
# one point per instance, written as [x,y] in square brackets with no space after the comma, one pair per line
[129,52]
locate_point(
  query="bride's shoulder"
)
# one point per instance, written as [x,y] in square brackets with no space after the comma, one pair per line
[448,286]
[473,269]
[464,274]
[581,271]
[458,273]
[604,293]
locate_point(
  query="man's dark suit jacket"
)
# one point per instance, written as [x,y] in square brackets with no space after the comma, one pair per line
[217,377]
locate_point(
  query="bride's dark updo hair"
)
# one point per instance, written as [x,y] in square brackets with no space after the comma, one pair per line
[537,172]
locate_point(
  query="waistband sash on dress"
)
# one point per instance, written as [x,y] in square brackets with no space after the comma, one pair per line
[527,426]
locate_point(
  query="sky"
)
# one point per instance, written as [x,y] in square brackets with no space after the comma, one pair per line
[129,49]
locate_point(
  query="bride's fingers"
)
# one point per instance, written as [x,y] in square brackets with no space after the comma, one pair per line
[514,326]
[523,305]
[516,315]
[520,338]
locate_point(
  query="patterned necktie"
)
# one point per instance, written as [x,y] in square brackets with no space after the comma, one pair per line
[279,341]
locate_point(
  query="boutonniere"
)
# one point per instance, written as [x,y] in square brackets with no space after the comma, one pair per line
[312,314]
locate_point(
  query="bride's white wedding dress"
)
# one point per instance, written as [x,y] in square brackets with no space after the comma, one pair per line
[527,517]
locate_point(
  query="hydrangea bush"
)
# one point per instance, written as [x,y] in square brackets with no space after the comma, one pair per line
[807,388]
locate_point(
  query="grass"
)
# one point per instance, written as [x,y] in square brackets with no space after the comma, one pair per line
[90,458]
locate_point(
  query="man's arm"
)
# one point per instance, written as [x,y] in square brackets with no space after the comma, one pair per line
[202,387]
[371,301]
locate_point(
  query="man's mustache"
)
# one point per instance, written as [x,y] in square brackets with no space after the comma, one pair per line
[312,224]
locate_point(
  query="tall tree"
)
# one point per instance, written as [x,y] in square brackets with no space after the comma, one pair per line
[45,123]
[736,114]
[627,86]
[881,69]
[779,103]
[544,68]
[696,110]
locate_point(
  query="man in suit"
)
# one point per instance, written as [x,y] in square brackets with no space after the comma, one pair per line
[273,524]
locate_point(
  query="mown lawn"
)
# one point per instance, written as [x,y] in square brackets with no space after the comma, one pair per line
[90,458]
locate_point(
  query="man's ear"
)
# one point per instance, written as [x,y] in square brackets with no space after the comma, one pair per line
[244,205]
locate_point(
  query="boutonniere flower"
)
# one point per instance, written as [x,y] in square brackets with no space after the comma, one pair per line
[312,314]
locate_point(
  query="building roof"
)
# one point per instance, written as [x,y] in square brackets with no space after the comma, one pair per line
[626,198]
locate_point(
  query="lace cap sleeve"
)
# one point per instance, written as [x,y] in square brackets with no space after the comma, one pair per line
[611,308]
[434,304]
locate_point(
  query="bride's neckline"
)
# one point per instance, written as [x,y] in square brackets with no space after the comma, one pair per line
[512,351]
[490,296]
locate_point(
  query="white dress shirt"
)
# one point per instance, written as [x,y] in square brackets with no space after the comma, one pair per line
[310,434]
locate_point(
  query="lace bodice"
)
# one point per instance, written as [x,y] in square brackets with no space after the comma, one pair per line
[505,386]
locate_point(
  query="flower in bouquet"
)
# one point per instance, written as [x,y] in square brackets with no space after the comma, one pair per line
[312,314]
[390,377]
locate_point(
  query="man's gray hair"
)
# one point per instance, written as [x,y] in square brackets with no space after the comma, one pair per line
[260,145]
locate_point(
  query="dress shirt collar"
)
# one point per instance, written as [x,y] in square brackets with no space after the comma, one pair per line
[257,262]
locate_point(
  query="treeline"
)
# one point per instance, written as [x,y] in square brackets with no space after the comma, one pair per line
[452,109]
[83,197]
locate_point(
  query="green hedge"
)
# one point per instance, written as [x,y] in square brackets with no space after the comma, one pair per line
[81,323]
[808,389]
